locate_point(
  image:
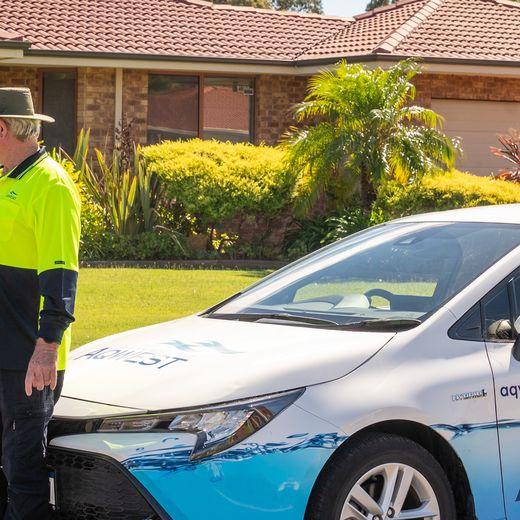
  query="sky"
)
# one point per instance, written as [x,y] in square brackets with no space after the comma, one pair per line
[344,7]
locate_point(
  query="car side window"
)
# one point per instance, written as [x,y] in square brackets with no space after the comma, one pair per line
[516,294]
[469,327]
[497,314]
[491,319]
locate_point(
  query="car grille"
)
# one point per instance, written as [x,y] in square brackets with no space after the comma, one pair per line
[89,487]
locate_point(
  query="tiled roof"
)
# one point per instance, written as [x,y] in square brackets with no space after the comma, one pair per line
[471,29]
[443,29]
[175,28]
[194,29]
[364,36]
[7,36]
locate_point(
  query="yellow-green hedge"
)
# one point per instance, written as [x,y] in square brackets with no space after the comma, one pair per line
[444,191]
[215,181]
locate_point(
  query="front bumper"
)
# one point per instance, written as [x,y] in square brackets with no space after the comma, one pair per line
[149,475]
[95,487]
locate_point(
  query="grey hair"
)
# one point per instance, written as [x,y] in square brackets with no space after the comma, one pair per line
[23,129]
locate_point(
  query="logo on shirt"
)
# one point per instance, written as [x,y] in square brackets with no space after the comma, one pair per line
[12,195]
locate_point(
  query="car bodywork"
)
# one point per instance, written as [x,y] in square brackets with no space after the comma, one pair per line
[422,378]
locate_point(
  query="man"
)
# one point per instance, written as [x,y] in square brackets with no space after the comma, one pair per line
[39,239]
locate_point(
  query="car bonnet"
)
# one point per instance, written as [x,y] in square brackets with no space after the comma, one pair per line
[197,361]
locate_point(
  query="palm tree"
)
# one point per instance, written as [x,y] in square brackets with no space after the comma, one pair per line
[360,126]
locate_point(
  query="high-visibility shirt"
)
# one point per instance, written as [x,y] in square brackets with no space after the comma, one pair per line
[39,242]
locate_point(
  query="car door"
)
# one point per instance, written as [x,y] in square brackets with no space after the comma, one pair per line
[499,310]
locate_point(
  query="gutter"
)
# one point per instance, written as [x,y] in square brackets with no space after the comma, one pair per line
[392,58]
[15,44]
[259,61]
[299,67]
[10,49]
[157,57]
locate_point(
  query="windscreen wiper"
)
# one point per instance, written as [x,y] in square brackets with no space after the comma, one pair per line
[384,324]
[379,325]
[276,317]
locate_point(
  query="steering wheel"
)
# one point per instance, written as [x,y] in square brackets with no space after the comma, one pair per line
[383,293]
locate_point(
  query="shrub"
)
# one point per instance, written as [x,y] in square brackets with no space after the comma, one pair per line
[120,184]
[444,191]
[100,242]
[510,152]
[215,182]
[311,234]
[149,245]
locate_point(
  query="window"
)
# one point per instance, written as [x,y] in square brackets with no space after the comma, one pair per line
[397,271]
[496,309]
[227,109]
[469,327]
[184,107]
[173,107]
[59,101]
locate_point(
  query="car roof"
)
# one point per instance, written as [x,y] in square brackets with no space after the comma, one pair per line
[503,214]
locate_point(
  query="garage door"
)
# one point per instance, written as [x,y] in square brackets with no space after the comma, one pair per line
[477,123]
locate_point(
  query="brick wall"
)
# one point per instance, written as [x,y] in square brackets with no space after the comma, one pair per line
[135,102]
[477,88]
[275,97]
[22,77]
[96,105]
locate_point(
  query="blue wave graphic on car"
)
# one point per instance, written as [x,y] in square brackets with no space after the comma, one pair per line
[465,429]
[200,345]
[177,459]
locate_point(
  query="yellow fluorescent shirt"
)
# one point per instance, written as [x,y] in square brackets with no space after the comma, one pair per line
[39,242]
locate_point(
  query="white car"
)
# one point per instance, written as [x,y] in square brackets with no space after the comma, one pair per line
[377,378]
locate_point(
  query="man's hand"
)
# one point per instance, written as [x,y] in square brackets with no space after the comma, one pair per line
[43,367]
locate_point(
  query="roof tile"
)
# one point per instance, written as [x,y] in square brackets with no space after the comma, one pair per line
[445,29]
[171,28]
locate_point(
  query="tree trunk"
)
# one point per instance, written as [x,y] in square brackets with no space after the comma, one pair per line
[368,194]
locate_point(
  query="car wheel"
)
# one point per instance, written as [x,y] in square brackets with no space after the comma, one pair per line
[382,477]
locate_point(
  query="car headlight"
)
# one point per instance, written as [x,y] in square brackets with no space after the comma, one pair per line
[217,428]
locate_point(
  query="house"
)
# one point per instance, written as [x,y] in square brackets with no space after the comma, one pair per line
[186,68]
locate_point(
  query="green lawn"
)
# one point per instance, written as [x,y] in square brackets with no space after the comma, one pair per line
[114,300]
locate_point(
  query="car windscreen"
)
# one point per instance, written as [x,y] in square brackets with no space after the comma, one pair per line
[399,271]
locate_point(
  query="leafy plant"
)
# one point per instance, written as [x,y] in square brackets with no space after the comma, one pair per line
[213,183]
[443,191]
[150,245]
[510,151]
[123,186]
[360,125]
[311,234]
[373,4]
[309,6]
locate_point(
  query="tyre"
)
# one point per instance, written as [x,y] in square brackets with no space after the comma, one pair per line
[382,477]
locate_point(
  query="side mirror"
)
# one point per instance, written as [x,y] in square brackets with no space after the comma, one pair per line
[516,346]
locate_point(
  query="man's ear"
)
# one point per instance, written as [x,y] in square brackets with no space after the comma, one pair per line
[4,129]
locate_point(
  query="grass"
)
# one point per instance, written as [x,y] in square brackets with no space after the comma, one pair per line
[114,300]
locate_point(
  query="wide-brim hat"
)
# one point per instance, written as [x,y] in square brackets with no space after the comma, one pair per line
[17,102]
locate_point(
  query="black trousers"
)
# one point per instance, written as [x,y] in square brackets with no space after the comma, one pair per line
[24,481]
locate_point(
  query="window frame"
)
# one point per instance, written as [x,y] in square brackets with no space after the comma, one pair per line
[507,282]
[201,76]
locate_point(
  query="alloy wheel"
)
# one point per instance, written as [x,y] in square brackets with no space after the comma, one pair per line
[391,492]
